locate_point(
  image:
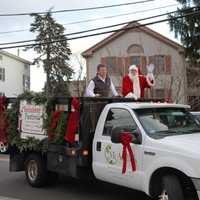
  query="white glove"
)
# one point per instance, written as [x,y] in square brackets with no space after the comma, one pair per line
[150,76]
[131,95]
[150,68]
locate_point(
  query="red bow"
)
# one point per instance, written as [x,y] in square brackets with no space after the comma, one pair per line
[126,139]
[54,121]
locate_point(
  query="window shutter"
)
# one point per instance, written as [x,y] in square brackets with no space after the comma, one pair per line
[168,64]
[143,64]
[3,74]
[114,68]
[120,66]
[127,64]
[151,60]
[29,82]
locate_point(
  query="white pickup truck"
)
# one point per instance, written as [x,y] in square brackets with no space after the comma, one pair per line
[165,144]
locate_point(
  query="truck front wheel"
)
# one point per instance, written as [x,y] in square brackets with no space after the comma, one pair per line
[171,188]
[35,170]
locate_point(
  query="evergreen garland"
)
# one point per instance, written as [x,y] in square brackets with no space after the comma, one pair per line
[60,130]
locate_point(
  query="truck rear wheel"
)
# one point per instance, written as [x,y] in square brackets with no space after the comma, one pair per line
[171,188]
[35,170]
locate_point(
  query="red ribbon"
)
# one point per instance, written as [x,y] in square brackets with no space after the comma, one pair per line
[126,139]
[54,121]
[3,122]
[73,122]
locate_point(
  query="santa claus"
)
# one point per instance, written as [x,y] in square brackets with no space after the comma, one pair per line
[134,83]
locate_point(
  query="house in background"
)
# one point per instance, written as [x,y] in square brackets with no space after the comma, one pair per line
[142,46]
[14,74]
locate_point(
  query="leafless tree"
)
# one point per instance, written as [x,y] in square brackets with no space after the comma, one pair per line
[79,76]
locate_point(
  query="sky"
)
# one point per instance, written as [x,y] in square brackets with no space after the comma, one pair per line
[77,46]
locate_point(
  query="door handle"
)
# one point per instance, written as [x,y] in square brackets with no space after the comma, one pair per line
[98,147]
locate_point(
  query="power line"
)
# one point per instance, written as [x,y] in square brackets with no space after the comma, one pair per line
[76,9]
[97,19]
[125,14]
[104,27]
[105,32]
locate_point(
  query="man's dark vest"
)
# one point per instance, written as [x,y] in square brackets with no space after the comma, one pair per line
[102,88]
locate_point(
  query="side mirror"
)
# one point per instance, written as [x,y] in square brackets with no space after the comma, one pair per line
[116,132]
[115,135]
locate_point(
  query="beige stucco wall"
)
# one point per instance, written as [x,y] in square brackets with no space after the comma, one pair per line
[151,46]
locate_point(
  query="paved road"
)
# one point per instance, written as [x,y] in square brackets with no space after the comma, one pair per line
[13,186]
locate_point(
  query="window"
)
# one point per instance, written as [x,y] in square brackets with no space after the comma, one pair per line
[159,62]
[111,63]
[163,122]
[2,94]
[163,63]
[118,118]
[2,74]
[135,49]
[26,66]
[26,82]
[135,60]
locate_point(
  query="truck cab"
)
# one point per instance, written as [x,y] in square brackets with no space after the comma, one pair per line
[166,149]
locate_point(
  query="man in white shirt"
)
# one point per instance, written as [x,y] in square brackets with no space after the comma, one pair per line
[101,85]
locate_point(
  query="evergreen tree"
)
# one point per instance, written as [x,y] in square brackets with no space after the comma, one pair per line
[54,56]
[188,29]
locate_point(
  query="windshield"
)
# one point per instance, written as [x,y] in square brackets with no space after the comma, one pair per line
[162,122]
[196,115]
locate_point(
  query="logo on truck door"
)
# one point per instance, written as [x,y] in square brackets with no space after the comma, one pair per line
[114,158]
[111,157]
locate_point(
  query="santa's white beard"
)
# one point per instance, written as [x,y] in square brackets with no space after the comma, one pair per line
[136,84]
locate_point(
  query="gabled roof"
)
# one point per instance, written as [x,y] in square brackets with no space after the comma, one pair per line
[89,52]
[15,57]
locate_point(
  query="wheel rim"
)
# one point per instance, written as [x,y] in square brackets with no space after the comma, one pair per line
[3,147]
[164,195]
[32,170]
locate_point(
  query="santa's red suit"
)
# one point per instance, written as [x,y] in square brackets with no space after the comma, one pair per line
[133,86]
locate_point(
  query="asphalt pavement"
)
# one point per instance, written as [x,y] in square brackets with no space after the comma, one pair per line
[13,186]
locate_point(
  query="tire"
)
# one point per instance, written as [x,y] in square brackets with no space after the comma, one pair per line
[35,170]
[171,189]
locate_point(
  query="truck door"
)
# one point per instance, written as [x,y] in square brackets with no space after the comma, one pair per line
[107,156]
